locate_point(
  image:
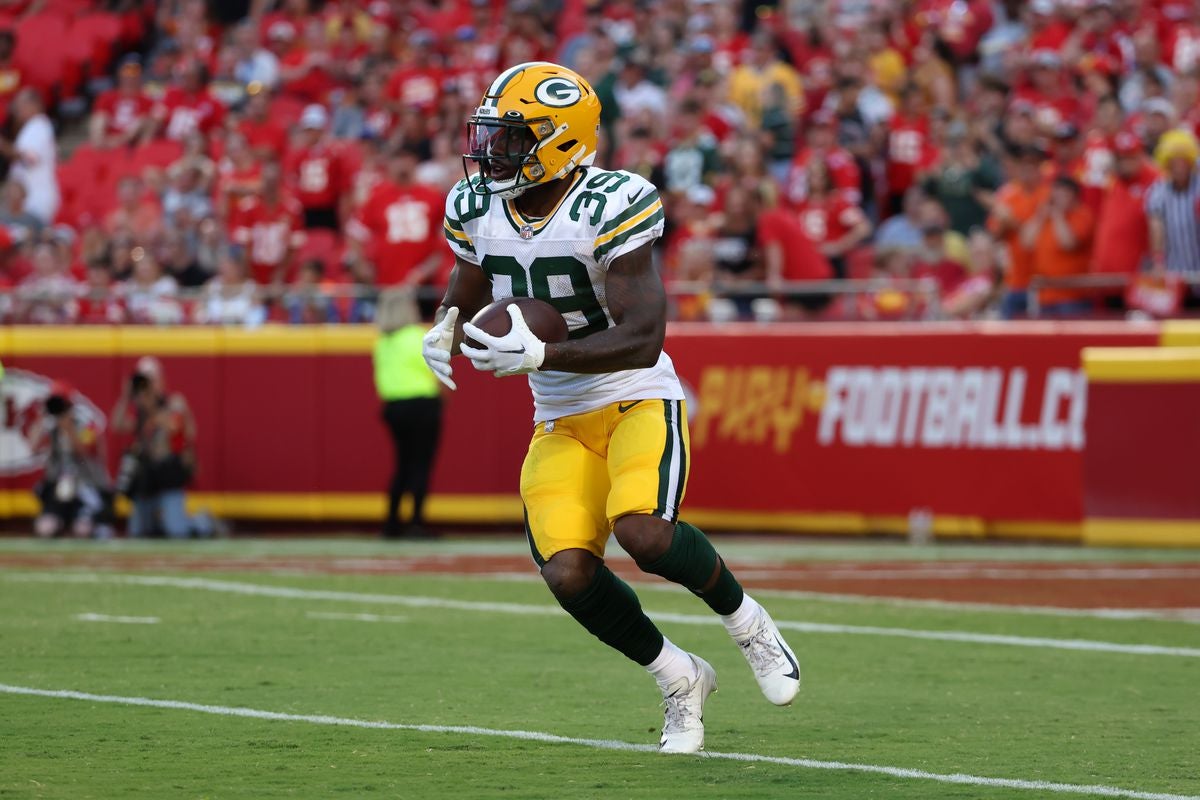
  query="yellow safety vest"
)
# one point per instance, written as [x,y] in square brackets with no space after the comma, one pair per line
[400,369]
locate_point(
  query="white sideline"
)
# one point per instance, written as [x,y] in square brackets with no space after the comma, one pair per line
[647,583]
[89,617]
[601,744]
[973,572]
[337,615]
[416,601]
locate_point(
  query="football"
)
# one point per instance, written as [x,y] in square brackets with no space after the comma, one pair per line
[541,317]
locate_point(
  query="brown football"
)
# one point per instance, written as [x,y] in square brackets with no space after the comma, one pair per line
[541,317]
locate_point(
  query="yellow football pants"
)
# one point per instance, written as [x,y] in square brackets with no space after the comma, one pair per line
[586,471]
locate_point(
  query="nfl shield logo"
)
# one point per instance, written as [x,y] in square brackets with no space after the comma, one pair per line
[526,232]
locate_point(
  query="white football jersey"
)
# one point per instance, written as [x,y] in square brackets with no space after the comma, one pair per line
[563,259]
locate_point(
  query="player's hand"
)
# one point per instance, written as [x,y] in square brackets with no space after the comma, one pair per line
[436,345]
[517,352]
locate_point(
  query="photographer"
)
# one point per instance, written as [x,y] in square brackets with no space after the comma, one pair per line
[75,491]
[161,459]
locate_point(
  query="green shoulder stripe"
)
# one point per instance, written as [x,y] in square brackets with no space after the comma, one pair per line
[643,226]
[642,203]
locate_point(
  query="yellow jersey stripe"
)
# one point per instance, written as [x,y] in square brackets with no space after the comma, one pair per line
[456,234]
[629,223]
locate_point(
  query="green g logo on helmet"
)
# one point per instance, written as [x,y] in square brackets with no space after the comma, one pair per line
[557,92]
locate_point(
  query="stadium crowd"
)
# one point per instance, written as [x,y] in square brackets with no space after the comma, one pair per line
[238,162]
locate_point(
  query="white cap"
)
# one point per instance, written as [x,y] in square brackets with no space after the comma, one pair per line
[149,366]
[1044,7]
[1159,105]
[314,118]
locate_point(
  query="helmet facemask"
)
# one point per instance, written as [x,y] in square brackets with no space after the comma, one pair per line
[505,150]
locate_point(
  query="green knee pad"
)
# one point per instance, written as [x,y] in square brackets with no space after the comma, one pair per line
[611,612]
[690,562]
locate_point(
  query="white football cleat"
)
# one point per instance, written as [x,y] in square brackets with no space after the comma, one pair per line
[683,722]
[773,662]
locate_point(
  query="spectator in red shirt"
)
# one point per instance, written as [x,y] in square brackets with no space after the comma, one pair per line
[932,260]
[239,174]
[789,256]
[308,70]
[1053,99]
[417,82]
[269,229]
[120,116]
[98,304]
[287,21]
[1181,51]
[822,146]
[402,224]
[1122,232]
[1047,31]
[1097,159]
[909,149]
[831,219]
[315,170]
[189,106]
[266,137]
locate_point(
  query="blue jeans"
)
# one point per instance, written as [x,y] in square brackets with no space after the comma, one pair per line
[163,510]
[1069,308]
[1015,303]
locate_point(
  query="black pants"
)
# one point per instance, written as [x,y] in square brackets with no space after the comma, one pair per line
[321,218]
[415,426]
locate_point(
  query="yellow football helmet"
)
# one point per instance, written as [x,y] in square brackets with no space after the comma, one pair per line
[536,123]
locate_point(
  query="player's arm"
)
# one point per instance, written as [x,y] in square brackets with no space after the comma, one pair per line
[469,290]
[638,304]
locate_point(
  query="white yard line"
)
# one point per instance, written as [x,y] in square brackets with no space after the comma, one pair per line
[958,573]
[418,601]
[337,615]
[1185,615]
[603,744]
[648,583]
[89,617]
[1191,615]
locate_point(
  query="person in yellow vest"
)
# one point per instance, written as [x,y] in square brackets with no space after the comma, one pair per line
[412,409]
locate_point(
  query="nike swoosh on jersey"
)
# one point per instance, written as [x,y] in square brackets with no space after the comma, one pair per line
[623,407]
[632,197]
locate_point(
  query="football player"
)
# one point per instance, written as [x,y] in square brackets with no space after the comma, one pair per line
[536,218]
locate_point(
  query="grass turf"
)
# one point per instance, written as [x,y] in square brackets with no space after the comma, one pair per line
[1079,717]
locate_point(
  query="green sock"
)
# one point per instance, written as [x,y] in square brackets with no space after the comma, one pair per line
[610,610]
[690,561]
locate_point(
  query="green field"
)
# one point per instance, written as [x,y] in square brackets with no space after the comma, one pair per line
[494,653]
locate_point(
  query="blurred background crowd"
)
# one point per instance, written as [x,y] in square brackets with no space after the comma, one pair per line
[239,162]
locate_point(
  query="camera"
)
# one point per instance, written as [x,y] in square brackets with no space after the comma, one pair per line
[138,383]
[57,405]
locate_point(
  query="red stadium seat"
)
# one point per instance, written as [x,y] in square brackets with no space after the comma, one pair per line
[92,38]
[44,55]
[91,162]
[156,153]
[860,262]
[352,155]
[324,245]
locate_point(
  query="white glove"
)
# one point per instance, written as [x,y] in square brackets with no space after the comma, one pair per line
[517,352]
[435,347]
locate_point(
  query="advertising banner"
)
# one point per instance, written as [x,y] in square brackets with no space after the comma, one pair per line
[969,429]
